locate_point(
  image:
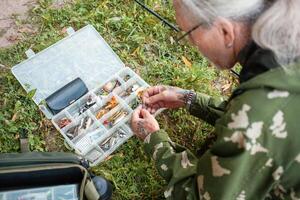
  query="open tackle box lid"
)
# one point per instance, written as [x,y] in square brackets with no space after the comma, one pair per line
[83,54]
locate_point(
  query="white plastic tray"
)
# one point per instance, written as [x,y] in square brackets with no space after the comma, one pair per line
[91,142]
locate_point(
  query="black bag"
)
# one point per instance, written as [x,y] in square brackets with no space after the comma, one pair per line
[38,170]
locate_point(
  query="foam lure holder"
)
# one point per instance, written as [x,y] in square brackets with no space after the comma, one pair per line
[99,122]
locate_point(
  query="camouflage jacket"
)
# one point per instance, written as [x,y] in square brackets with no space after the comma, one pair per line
[257,153]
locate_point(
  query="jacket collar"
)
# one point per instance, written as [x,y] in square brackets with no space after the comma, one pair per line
[261,71]
[255,61]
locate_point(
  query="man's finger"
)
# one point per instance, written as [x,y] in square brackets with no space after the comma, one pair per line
[161,104]
[149,109]
[151,91]
[136,114]
[153,110]
[144,98]
[155,99]
[147,94]
[157,106]
[155,90]
[146,114]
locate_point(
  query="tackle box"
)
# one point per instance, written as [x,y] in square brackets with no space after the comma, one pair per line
[98,122]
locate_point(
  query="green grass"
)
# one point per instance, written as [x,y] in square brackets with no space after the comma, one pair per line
[143,44]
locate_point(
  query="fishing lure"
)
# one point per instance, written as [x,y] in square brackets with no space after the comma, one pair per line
[107,107]
[84,124]
[115,118]
[63,122]
[113,140]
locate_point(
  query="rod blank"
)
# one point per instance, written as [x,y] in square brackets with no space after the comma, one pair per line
[163,20]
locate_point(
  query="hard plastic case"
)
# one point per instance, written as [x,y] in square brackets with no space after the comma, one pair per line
[86,55]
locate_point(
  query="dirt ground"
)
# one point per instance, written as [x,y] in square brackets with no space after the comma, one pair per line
[15,19]
[15,24]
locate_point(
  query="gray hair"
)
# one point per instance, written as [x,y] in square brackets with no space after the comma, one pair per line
[275,23]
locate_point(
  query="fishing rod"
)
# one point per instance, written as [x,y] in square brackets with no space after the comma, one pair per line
[163,20]
[170,25]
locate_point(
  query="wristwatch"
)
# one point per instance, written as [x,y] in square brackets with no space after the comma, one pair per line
[190,97]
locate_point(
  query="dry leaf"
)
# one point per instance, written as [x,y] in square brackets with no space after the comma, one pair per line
[151,21]
[25,30]
[115,19]
[186,62]
[156,7]
[4,67]
[14,118]
[135,51]
[108,158]
[13,38]
[40,124]
[172,40]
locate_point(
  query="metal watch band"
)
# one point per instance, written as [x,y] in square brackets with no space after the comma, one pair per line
[189,99]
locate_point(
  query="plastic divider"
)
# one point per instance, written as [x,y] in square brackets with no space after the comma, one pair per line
[126,72]
[87,144]
[113,129]
[69,115]
[64,130]
[118,140]
[95,110]
[85,140]
[134,80]
[123,103]
[130,84]
[99,89]
[74,108]
[114,111]
[128,130]
[94,155]
[96,107]
[108,114]
[60,116]
[92,116]
[77,122]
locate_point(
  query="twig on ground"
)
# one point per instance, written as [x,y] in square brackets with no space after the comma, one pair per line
[4,67]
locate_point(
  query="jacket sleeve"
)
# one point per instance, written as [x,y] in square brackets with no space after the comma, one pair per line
[207,108]
[175,164]
[238,166]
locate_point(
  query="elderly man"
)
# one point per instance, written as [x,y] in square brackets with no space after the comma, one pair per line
[257,153]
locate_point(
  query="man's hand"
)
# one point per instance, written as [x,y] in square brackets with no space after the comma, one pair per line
[164,97]
[143,123]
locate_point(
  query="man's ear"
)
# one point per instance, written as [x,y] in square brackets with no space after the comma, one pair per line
[226,30]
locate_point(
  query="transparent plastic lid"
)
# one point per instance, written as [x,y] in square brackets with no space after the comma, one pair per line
[83,54]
